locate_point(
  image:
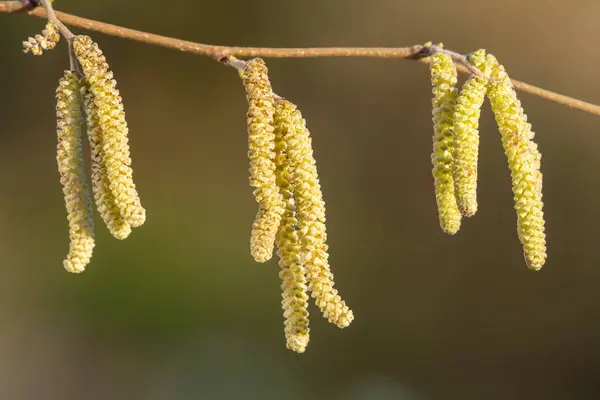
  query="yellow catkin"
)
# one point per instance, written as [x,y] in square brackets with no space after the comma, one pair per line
[310,212]
[524,161]
[111,117]
[72,172]
[443,79]
[466,136]
[105,200]
[293,273]
[46,41]
[261,153]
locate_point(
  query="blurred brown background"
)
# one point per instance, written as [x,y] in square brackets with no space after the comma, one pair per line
[180,311]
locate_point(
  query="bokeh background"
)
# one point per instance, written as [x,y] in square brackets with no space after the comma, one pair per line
[180,310]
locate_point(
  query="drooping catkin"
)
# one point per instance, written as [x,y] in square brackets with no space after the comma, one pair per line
[443,79]
[111,117]
[103,196]
[466,136]
[261,153]
[310,212]
[46,41]
[293,273]
[72,172]
[524,161]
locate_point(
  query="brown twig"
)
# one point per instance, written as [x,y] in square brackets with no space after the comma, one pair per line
[64,31]
[15,6]
[51,15]
[222,53]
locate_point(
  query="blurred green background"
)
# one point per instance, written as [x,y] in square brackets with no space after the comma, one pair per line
[180,310]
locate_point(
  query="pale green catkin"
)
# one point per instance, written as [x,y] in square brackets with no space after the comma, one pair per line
[111,117]
[443,79]
[103,196]
[46,41]
[291,257]
[310,212]
[524,161]
[72,172]
[261,153]
[466,136]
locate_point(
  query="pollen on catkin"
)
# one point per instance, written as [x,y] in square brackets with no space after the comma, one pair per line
[524,161]
[46,41]
[293,273]
[72,172]
[310,212]
[104,198]
[111,117]
[466,136]
[443,79]
[261,153]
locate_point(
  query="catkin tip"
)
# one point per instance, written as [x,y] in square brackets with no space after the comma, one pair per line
[262,238]
[73,268]
[297,343]
[534,264]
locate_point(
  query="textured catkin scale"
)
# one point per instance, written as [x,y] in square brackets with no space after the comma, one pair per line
[310,212]
[466,136]
[46,41]
[261,154]
[524,161]
[443,79]
[72,172]
[293,273]
[104,198]
[111,117]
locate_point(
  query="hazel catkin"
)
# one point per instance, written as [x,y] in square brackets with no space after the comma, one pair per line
[261,153]
[111,118]
[524,161]
[310,212]
[443,79]
[466,136]
[103,196]
[291,258]
[72,172]
[46,41]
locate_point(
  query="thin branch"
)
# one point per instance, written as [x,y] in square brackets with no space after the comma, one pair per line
[51,15]
[16,6]
[223,53]
[461,59]
[64,31]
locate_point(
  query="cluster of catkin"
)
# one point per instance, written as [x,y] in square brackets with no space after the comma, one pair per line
[88,100]
[291,213]
[456,146]
[46,41]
